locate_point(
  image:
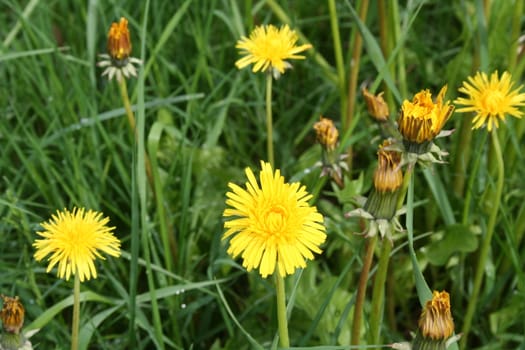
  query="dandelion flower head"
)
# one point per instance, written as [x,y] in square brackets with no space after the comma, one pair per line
[74,239]
[268,47]
[326,132]
[118,61]
[436,319]
[421,119]
[490,99]
[12,314]
[388,176]
[376,105]
[273,226]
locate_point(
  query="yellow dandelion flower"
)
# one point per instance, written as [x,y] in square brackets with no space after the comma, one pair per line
[490,99]
[269,47]
[421,120]
[12,314]
[273,225]
[436,321]
[118,60]
[74,239]
[326,132]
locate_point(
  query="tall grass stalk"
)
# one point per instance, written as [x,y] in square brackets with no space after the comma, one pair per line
[338,54]
[355,59]
[485,247]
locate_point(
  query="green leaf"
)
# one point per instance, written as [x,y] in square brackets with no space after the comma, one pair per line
[456,239]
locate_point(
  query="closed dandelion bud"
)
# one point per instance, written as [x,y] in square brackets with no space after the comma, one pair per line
[327,134]
[376,105]
[436,325]
[12,316]
[388,178]
[422,119]
[117,61]
[119,44]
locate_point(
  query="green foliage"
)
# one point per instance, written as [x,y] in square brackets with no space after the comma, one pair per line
[66,142]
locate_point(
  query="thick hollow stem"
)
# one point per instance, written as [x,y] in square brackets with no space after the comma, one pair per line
[281,311]
[269,121]
[76,313]
[361,290]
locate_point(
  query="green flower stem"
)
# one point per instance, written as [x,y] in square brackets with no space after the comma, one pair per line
[76,313]
[127,105]
[269,121]
[483,254]
[281,311]
[361,290]
[132,124]
[378,293]
[338,53]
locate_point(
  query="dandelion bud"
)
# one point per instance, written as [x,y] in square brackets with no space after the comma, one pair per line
[376,105]
[388,178]
[119,44]
[12,314]
[327,134]
[436,325]
[422,119]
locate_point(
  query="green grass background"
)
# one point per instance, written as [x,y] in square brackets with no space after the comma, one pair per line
[65,142]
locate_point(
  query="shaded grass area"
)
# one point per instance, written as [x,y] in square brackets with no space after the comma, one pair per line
[66,142]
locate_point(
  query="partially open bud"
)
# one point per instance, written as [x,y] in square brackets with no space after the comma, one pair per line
[12,314]
[119,44]
[118,61]
[388,178]
[376,105]
[422,119]
[327,134]
[436,325]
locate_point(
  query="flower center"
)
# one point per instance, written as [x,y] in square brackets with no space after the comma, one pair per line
[276,218]
[492,101]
